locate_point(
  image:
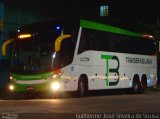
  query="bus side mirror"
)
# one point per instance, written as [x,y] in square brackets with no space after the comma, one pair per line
[59,40]
[4,45]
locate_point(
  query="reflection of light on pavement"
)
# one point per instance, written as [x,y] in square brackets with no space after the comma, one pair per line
[57,101]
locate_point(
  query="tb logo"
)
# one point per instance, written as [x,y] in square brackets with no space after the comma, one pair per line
[111,70]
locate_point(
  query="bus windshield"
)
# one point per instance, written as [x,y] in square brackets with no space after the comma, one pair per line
[37,55]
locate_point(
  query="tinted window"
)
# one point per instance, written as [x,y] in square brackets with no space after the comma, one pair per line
[105,41]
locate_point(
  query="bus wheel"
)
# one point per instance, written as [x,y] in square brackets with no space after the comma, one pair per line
[136,86]
[81,88]
[143,86]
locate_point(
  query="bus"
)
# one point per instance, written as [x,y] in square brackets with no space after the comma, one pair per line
[59,56]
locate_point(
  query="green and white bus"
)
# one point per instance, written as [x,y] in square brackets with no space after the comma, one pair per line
[61,56]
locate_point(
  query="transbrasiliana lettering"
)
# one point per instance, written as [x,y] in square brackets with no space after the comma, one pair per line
[136,60]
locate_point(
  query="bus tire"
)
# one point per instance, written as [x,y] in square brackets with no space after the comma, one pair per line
[143,84]
[82,87]
[136,85]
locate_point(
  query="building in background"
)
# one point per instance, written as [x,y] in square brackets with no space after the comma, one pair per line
[104,10]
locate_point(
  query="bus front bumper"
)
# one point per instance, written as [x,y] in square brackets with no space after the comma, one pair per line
[45,87]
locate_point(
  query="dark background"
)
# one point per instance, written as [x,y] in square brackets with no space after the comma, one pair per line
[137,15]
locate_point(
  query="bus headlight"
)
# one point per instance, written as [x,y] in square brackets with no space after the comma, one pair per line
[11,87]
[55,86]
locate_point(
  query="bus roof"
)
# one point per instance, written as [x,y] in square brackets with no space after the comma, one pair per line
[46,25]
[107,28]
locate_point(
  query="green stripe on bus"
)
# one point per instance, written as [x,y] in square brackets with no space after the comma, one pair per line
[107,28]
[31,76]
[107,57]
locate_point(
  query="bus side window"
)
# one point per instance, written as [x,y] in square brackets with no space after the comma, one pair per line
[124,44]
[89,41]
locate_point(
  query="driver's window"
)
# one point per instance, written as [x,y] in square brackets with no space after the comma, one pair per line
[66,52]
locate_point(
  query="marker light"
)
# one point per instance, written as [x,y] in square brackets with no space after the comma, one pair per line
[55,86]
[58,27]
[11,78]
[147,36]
[11,87]
[21,36]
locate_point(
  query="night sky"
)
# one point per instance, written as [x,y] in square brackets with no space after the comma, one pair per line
[124,12]
[147,8]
